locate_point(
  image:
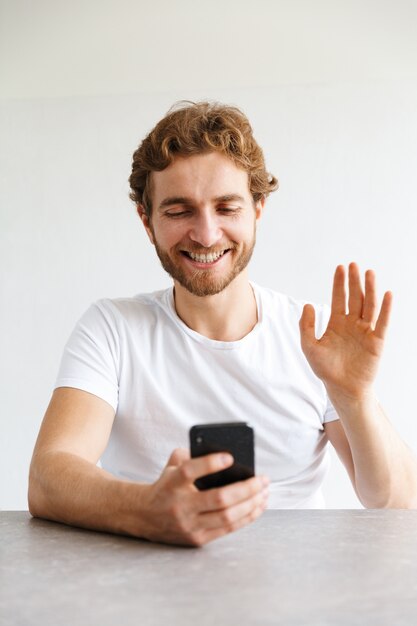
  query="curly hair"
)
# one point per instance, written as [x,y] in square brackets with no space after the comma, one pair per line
[191,128]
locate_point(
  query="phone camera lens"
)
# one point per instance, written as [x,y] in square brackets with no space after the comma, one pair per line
[199,439]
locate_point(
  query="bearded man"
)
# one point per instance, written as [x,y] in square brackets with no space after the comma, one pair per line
[138,373]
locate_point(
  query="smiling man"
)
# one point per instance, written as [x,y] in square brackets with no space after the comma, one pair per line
[208,255]
[138,372]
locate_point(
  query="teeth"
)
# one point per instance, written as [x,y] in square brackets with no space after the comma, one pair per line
[206,258]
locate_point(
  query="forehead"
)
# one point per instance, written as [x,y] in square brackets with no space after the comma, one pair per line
[199,176]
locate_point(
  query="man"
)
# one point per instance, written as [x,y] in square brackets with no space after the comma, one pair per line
[137,373]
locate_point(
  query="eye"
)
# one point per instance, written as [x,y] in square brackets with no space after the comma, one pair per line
[228,209]
[176,214]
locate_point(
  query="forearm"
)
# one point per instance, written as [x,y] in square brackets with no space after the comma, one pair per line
[385,468]
[66,488]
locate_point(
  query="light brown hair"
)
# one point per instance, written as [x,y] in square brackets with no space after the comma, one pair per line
[195,128]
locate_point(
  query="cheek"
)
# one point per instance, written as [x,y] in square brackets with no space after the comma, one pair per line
[169,235]
[241,231]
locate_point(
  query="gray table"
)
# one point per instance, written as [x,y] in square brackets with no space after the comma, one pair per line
[290,567]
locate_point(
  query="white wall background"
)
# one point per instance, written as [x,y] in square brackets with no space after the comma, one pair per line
[331,89]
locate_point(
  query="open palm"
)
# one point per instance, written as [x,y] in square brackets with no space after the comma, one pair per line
[346,357]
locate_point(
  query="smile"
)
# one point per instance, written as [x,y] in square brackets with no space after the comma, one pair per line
[205,258]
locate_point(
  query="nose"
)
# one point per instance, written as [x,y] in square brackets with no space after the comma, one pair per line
[205,229]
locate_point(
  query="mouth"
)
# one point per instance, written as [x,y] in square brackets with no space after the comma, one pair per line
[205,259]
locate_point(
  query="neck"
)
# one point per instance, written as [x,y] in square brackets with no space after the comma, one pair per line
[227,316]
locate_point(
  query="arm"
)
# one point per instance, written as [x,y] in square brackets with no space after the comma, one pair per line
[65,484]
[382,468]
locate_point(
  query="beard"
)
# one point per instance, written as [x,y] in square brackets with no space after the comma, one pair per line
[201,282]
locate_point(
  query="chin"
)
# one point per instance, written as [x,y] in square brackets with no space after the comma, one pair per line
[202,283]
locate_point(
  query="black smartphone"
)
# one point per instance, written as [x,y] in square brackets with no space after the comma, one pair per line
[237,438]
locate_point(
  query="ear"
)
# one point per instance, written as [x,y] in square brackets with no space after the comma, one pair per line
[259,208]
[146,222]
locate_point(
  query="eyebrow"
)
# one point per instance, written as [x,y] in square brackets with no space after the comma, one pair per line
[230,197]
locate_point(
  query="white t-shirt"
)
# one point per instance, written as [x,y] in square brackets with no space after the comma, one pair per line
[161,378]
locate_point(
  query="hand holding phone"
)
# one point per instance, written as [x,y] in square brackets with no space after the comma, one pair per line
[237,438]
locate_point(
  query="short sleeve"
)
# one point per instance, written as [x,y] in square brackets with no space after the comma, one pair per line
[91,357]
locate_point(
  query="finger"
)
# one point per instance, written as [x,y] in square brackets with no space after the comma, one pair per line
[190,470]
[216,533]
[339,292]
[178,456]
[224,497]
[233,514]
[370,302]
[356,297]
[384,316]
[307,325]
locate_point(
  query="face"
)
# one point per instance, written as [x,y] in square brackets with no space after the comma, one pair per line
[203,221]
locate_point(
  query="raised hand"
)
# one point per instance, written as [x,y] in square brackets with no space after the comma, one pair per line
[346,357]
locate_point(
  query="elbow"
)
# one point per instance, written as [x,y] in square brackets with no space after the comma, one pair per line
[33,497]
[34,509]
[396,503]
[36,498]
[390,493]
[393,500]
[374,503]
[382,498]
[406,500]
[404,496]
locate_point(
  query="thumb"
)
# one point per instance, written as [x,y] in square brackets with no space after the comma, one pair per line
[178,456]
[307,326]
